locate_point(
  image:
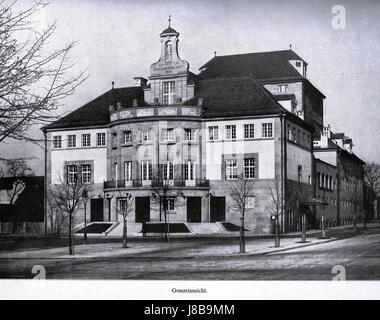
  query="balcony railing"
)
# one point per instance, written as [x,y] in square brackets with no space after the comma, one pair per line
[137,183]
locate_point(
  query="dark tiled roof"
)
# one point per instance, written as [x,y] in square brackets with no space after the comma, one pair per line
[96,112]
[260,65]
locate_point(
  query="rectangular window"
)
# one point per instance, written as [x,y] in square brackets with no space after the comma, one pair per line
[71,141]
[57,142]
[189,134]
[86,173]
[145,136]
[213,133]
[249,168]
[230,132]
[101,139]
[128,170]
[169,204]
[299,173]
[167,170]
[72,173]
[189,169]
[128,136]
[231,169]
[283,88]
[123,205]
[249,131]
[168,134]
[267,130]
[146,170]
[86,140]
[168,93]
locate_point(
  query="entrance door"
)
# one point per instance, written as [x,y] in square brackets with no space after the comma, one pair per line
[142,212]
[194,209]
[217,209]
[97,209]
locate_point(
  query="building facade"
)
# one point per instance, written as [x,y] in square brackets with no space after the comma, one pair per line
[254,115]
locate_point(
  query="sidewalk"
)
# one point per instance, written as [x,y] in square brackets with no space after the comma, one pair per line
[194,247]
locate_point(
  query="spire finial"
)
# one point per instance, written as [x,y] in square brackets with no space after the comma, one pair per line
[290,46]
[170,19]
[214,53]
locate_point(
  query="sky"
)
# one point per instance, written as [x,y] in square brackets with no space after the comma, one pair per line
[118,40]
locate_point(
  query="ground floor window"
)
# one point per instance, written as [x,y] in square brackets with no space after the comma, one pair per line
[249,168]
[72,173]
[167,170]
[169,204]
[231,169]
[86,173]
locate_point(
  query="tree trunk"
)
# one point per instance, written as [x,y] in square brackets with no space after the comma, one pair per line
[70,241]
[303,217]
[125,245]
[242,236]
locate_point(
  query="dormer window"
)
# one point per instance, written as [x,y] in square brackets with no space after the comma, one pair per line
[168,92]
[283,88]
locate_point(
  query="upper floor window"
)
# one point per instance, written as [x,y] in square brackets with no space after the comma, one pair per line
[283,88]
[213,133]
[168,92]
[86,140]
[230,132]
[101,139]
[86,173]
[57,142]
[145,136]
[167,170]
[72,174]
[168,134]
[146,170]
[128,170]
[249,168]
[267,130]
[71,141]
[128,136]
[249,131]
[189,134]
[189,170]
[231,169]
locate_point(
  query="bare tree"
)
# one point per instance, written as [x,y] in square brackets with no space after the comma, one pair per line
[372,176]
[66,196]
[33,78]
[242,193]
[124,207]
[57,218]
[275,206]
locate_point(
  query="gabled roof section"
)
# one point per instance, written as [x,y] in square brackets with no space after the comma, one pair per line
[260,65]
[96,112]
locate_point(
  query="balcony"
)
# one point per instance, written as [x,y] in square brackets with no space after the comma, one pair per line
[139,183]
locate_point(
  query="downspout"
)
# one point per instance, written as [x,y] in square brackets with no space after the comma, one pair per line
[45,186]
[282,176]
[338,189]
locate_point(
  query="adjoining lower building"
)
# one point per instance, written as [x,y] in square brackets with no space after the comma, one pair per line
[255,115]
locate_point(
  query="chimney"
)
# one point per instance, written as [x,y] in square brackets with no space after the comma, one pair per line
[200,102]
[111,108]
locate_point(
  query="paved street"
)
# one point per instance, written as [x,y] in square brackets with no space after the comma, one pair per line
[186,260]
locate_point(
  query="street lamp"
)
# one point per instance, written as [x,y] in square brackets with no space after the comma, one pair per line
[323,219]
[109,198]
[276,230]
[85,199]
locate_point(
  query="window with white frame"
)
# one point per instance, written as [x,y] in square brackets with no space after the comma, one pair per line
[168,134]
[167,170]
[145,136]
[168,92]
[249,168]
[57,142]
[86,140]
[72,173]
[213,133]
[283,88]
[267,130]
[123,205]
[71,141]
[128,170]
[101,139]
[169,204]
[189,170]
[249,131]
[146,170]
[86,173]
[231,169]
[128,136]
[230,132]
[189,134]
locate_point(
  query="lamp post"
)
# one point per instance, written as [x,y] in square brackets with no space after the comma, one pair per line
[85,199]
[109,198]
[275,218]
[323,220]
